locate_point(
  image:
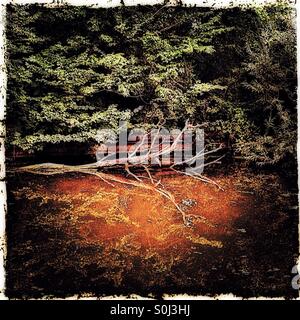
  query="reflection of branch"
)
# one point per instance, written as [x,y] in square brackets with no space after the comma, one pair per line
[149,174]
[132,161]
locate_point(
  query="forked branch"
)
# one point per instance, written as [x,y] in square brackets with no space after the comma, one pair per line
[144,161]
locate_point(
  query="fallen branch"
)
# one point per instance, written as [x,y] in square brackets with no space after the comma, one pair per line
[132,160]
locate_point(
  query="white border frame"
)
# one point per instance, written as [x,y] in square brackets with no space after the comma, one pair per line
[107,4]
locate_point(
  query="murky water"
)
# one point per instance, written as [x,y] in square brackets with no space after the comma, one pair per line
[74,233]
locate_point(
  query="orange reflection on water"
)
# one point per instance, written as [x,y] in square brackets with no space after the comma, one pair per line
[107,214]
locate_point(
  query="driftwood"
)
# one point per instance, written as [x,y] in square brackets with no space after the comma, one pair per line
[132,160]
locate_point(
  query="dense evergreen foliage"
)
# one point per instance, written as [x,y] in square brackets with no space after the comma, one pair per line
[75,70]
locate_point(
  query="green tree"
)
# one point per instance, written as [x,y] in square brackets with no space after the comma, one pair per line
[75,70]
[268,81]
